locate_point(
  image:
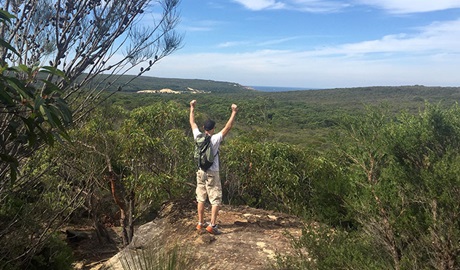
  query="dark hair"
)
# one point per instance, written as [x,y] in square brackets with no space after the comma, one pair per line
[209,125]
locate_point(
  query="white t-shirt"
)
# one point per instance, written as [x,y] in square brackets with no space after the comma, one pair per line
[216,139]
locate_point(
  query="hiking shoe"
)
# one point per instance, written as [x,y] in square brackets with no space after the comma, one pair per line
[213,229]
[201,226]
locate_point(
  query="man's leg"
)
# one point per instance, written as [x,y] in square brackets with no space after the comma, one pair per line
[214,214]
[201,195]
[214,189]
[201,212]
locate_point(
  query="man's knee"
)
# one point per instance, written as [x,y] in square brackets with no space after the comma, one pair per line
[215,197]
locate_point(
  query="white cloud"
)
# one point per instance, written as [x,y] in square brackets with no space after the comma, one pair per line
[277,41]
[412,6]
[437,37]
[317,6]
[429,56]
[314,6]
[302,69]
[324,6]
[229,44]
[200,26]
[260,4]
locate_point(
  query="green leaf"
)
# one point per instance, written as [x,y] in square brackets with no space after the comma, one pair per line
[30,129]
[6,98]
[5,44]
[46,136]
[39,101]
[44,112]
[65,110]
[50,88]
[54,71]
[6,16]
[19,87]
[21,68]
[54,113]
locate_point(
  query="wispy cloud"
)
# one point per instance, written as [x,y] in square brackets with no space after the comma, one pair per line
[317,6]
[428,55]
[200,26]
[229,44]
[288,68]
[252,43]
[314,6]
[261,4]
[327,6]
[411,6]
[276,41]
[439,37]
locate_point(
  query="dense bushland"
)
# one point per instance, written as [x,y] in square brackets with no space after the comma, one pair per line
[401,194]
[38,103]
[385,185]
[33,114]
[383,192]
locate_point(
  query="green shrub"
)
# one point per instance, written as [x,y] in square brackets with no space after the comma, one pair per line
[324,248]
[54,255]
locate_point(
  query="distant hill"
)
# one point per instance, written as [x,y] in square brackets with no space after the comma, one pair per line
[174,84]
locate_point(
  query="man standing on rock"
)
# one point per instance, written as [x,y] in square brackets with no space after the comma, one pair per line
[208,184]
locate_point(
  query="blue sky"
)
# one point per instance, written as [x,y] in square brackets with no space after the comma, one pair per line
[318,44]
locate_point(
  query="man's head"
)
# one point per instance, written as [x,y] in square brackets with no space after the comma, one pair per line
[209,125]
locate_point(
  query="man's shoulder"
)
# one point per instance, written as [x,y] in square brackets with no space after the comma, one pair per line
[217,137]
[196,132]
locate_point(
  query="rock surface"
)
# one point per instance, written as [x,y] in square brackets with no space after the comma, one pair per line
[250,239]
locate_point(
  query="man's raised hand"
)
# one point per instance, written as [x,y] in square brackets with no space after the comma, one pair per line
[192,103]
[234,108]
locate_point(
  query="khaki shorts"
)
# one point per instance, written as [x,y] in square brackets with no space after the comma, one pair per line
[208,185]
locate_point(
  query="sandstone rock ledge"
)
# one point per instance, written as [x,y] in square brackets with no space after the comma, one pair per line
[250,239]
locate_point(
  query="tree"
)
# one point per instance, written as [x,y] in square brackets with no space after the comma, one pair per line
[402,192]
[137,159]
[93,42]
[32,113]
[366,151]
[89,38]
[28,114]
[82,38]
[266,174]
[426,160]
[152,160]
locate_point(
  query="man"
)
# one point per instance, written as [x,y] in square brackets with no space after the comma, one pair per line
[208,184]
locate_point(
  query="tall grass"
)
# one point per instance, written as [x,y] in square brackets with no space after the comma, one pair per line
[155,258]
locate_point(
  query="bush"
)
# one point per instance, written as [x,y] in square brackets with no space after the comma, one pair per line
[401,191]
[54,255]
[266,175]
[322,247]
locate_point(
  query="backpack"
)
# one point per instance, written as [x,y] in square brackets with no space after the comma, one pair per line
[203,152]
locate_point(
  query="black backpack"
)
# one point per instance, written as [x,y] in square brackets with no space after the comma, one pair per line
[203,152]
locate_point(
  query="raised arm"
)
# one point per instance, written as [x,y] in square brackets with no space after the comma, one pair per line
[230,121]
[193,125]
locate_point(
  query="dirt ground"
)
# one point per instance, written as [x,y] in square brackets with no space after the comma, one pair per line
[251,238]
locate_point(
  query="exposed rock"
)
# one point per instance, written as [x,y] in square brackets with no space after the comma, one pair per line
[161,91]
[170,91]
[250,239]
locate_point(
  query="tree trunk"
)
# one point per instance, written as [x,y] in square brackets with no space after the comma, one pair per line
[125,205]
